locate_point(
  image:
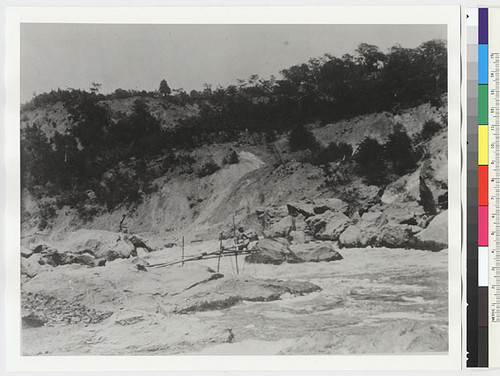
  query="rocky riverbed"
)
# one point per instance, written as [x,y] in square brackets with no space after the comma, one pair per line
[372,300]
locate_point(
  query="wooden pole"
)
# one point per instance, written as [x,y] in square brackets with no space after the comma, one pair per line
[120,226]
[236,244]
[183,251]
[220,252]
[234,229]
[205,256]
[277,152]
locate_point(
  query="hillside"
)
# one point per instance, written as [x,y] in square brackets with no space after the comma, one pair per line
[267,174]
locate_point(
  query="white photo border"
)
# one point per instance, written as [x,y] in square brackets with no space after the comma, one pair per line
[444,15]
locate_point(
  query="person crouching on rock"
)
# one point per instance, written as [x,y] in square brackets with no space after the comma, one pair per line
[242,239]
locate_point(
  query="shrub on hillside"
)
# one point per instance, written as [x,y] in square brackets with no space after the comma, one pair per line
[301,138]
[399,152]
[429,129]
[232,158]
[269,136]
[121,186]
[208,168]
[370,159]
[332,153]
[47,212]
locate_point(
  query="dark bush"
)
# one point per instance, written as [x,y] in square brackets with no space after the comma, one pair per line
[47,212]
[429,129]
[399,153]
[208,169]
[370,159]
[121,187]
[332,153]
[232,158]
[300,138]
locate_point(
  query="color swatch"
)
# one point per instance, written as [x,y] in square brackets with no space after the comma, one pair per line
[483,147]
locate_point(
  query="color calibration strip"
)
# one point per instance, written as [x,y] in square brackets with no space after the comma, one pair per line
[473,190]
[483,218]
[491,75]
[483,187]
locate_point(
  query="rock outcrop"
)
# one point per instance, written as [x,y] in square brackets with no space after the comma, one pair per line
[281,228]
[383,225]
[336,223]
[435,236]
[302,221]
[100,244]
[398,220]
[314,252]
[230,291]
[270,251]
[84,247]
[29,268]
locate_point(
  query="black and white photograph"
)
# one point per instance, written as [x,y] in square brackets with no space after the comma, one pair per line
[234,189]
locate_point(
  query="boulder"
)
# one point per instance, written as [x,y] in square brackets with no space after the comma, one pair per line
[301,224]
[427,198]
[435,236]
[85,259]
[373,217]
[52,257]
[281,229]
[402,213]
[56,258]
[355,217]
[282,240]
[396,236]
[304,208]
[252,245]
[353,236]
[32,321]
[269,215]
[388,235]
[365,232]
[434,173]
[316,253]
[270,251]
[316,223]
[404,189]
[101,244]
[123,248]
[332,204]
[227,292]
[141,252]
[111,255]
[39,248]
[297,237]
[269,256]
[29,267]
[139,242]
[251,235]
[272,211]
[337,223]
[25,252]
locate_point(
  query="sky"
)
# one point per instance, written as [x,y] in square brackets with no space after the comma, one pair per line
[139,56]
